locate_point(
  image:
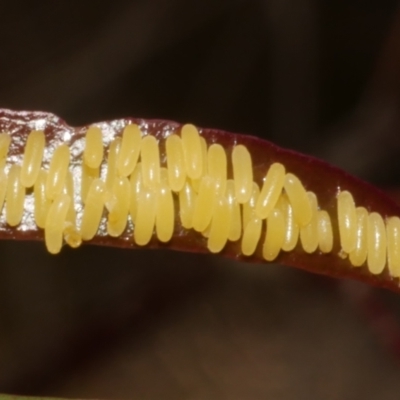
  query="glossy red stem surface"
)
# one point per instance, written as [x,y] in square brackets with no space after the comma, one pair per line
[316,175]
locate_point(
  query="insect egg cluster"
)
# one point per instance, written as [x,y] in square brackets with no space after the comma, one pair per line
[153,187]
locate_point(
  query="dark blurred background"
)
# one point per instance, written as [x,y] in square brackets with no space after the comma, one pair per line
[322,77]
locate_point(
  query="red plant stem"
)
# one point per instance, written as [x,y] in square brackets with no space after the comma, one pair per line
[317,176]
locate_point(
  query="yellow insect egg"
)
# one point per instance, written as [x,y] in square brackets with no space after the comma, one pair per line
[93,153]
[217,166]
[130,150]
[220,226]
[150,155]
[3,187]
[71,214]
[146,216]
[252,225]
[195,184]
[347,221]
[69,187]
[325,233]
[309,233]
[249,207]
[206,232]
[42,203]
[88,176]
[393,245]
[204,152]
[298,199]
[271,190]
[93,209]
[71,235]
[32,160]
[376,233]
[187,201]
[205,202]
[292,229]
[57,171]
[242,173]
[15,196]
[204,155]
[112,163]
[5,140]
[118,215]
[136,187]
[165,213]
[251,235]
[55,223]
[275,235]
[359,255]
[235,217]
[192,151]
[175,163]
